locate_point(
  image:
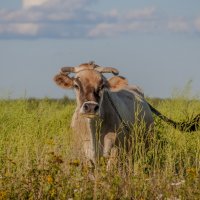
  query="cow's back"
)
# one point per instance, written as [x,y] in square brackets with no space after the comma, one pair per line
[131,105]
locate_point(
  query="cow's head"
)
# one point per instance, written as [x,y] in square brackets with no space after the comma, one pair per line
[89,84]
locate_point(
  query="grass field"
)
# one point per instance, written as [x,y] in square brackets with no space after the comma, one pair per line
[39,158]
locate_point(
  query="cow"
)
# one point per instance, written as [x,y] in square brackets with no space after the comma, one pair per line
[107,109]
[111,101]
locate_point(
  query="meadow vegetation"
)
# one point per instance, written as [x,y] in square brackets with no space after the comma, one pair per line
[40,159]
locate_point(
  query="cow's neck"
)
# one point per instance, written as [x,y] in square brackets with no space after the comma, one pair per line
[84,129]
[107,123]
[93,131]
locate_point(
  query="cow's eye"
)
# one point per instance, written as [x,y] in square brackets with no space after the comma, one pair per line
[101,87]
[76,86]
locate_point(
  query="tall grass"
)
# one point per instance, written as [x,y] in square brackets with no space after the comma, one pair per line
[40,158]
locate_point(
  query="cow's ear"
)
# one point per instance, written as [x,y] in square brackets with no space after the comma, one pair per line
[117,82]
[64,81]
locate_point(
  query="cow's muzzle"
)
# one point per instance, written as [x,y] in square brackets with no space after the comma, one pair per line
[90,109]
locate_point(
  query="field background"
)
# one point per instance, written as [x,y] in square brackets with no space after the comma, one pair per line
[40,159]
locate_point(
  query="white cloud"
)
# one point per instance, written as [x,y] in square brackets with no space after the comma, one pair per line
[46,10]
[197,24]
[31,3]
[22,16]
[104,29]
[113,13]
[124,23]
[178,25]
[26,29]
[145,13]
[47,18]
[112,29]
[57,5]
[75,19]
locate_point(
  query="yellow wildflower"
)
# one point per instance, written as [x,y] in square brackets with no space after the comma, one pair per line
[49,179]
[2,195]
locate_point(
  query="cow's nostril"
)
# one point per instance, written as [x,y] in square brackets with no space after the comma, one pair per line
[96,108]
[86,107]
[90,107]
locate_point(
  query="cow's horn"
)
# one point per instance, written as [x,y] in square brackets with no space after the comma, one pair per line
[67,70]
[107,70]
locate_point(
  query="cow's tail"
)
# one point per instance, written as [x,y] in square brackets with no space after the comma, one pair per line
[188,126]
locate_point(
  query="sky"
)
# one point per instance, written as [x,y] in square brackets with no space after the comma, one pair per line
[154,44]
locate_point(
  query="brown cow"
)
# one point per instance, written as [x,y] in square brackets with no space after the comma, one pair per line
[111,101]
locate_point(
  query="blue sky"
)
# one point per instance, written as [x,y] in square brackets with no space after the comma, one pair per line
[154,44]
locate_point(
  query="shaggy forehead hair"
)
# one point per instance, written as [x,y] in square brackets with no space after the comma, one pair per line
[89,82]
[87,64]
[89,78]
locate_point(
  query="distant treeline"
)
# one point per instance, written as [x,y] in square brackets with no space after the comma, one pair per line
[66,100]
[63,100]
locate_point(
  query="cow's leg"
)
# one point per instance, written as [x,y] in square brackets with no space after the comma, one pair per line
[109,142]
[112,160]
[89,150]
[109,150]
